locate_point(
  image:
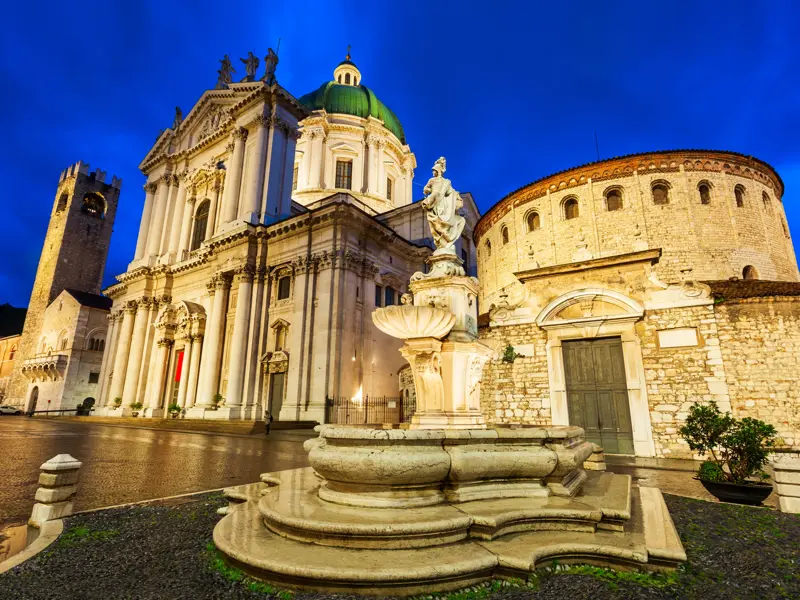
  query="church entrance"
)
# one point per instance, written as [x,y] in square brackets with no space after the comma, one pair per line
[276,381]
[597,394]
[34,399]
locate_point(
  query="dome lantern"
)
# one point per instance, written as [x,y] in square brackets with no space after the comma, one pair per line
[346,73]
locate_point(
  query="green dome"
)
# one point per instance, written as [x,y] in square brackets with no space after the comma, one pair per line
[359,101]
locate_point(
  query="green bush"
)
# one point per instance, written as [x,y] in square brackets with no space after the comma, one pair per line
[738,448]
[174,407]
[136,405]
[509,355]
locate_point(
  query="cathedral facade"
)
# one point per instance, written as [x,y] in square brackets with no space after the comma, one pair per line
[272,227]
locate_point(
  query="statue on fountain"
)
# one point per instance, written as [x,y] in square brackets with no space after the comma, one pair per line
[442,205]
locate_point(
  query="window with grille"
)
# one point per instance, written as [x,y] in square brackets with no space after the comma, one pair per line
[294,178]
[344,174]
[200,224]
[389,184]
[94,377]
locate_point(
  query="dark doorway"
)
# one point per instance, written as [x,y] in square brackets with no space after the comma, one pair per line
[597,393]
[276,382]
[34,399]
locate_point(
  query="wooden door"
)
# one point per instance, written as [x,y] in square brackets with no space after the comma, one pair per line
[597,393]
[276,394]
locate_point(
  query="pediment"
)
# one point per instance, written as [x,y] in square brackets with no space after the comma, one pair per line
[343,148]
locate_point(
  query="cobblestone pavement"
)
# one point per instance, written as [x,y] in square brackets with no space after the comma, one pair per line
[127,465]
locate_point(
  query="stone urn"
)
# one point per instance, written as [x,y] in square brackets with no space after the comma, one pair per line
[408,322]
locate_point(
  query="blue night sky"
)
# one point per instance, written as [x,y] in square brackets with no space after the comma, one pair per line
[507,92]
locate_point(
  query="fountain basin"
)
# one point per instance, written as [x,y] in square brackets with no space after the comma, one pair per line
[410,468]
[409,322]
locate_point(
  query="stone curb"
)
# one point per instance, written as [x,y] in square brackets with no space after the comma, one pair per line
[48,534]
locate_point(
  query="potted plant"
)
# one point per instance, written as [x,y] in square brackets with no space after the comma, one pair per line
[117,402]
[174,410]
[217,401]
[135,408]
[738,449]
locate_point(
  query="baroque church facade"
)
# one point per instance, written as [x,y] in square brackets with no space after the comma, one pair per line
[272,227]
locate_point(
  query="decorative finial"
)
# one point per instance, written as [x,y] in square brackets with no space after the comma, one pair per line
[348,51]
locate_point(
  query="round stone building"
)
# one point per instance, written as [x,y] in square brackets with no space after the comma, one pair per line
[631,288]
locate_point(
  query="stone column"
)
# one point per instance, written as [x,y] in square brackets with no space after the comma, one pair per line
[134,363]
[184,380]
[144,225]
[186,228]
[254,186]
[194,369]
[372,167]
[167,225]
[233,177]
[108,357]
[238,349]
[178,216]
[380,168]
[162,356]
[123,348]
[157,220]
[317,160]
[211,226]
[254,341]
[211,361]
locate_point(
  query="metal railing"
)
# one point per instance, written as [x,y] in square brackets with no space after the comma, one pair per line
[369,410]
[77,411]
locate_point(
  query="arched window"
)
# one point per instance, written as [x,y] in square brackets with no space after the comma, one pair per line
[63,344]
[571,209]
[355,80]
[504,234]
[93,204]
[62,202]
[613,200]
[749,272]
[200,224]
[488,248]
[785,227]
[534,221]
[340,78]
[12,353]
[660,193]
[97,344]
[704,189]
[767,203]
[738,192]
[43,346]
[347,78]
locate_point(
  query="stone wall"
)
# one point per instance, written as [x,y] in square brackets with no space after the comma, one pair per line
[760,344]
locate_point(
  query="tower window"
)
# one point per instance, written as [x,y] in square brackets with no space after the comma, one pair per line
[94,205]
[12,353]
[504,234]
[738,193]
[389,184]
[705,193]
[749,272]
[284,284]
[613,200]
[200,224]
[660,194]
[62,202]
[294,178]
[488,249]
[571,209]
[534,221]
[766,200]
[344,174]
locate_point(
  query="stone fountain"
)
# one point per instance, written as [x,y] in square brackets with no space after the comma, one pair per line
[448,501]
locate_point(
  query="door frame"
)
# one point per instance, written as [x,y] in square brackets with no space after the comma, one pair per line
[589,327]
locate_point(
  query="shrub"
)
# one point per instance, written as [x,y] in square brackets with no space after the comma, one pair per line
[174,408]
[510,354]
[136,405]
[117,401]
[738,448]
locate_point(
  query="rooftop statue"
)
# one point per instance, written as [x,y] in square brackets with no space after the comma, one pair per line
[441,205]
[224,73]
[250,66]
[176,122]
[271,62]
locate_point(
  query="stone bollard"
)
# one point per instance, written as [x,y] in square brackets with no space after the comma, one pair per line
[58,484]
[597,461]
[787,482]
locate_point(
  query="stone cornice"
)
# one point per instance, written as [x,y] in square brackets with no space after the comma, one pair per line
[625,166]
[647,256]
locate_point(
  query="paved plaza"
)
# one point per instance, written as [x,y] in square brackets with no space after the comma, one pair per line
[123,464]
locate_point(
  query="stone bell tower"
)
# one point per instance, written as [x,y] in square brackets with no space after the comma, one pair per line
[74,253]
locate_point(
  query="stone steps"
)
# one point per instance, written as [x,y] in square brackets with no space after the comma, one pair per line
[211,426]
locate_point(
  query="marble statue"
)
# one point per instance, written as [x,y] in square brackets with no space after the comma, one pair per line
[271,62]
[250,66]
[176,122]
[225,73]
[441,205]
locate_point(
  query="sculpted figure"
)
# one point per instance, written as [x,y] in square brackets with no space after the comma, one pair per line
[176,122]
[271,62]
[442,204]
[250,66]
[225,71]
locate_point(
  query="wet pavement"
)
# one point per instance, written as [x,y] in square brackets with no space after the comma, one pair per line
[128,465]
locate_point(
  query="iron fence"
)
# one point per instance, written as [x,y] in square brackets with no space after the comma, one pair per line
[369,410]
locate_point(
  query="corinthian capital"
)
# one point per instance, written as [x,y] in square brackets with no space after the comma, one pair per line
[151,187]
[240,133]
[245,274]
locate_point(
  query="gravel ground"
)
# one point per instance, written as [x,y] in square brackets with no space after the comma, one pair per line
[160,551]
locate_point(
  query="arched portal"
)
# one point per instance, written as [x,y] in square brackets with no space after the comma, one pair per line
[34,399]
[594,363]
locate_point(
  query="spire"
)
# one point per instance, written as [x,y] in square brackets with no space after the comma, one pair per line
[348,52]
